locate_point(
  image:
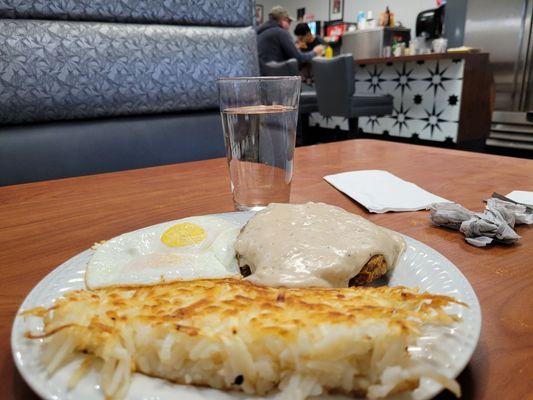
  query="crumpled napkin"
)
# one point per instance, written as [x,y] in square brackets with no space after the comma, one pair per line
[480,229]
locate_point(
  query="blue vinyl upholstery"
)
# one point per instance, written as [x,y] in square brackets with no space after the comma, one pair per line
[179,12]
[105,85]
[52,70]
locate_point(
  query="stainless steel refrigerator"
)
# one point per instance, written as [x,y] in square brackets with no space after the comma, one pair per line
[504,29]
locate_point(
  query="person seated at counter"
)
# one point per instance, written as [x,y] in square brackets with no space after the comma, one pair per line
[274,42]
[305,40]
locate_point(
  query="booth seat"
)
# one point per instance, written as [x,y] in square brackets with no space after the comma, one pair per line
[97,86]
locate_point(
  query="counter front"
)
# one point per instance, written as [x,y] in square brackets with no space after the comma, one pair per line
[437,97]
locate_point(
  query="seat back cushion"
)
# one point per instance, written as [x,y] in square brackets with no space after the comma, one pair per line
[179,12]
[62,70]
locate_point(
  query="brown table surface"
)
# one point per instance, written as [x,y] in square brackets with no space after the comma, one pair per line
[43,224]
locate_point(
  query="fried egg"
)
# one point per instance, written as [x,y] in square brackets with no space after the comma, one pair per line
[191,248]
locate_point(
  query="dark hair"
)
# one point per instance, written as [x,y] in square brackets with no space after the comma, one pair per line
[302,29]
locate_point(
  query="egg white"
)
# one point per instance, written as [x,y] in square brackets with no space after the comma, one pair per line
[140,257]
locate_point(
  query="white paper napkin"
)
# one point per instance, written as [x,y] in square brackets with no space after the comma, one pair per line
[381,191]
[521,196]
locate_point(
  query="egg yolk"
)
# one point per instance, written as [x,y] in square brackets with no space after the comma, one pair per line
[183,234]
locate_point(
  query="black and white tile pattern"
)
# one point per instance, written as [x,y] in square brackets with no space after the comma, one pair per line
[427,97]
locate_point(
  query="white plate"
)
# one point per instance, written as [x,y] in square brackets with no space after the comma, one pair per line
[449,350]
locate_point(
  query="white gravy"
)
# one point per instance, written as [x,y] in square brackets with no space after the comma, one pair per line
[312,244]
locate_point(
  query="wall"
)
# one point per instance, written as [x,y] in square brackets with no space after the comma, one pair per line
[317,7]
[404,10]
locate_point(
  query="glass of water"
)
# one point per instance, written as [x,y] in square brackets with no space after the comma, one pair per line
[259,117]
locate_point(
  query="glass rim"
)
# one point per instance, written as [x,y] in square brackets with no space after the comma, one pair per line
[259,78]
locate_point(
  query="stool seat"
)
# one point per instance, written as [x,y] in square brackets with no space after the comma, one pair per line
[370,104]
[308,102]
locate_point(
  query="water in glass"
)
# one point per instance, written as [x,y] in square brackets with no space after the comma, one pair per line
[260,149]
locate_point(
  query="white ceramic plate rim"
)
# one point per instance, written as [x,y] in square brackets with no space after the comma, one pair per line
[428,389]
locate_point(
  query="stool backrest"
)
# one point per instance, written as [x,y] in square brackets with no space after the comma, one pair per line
[334,84]
[283,68]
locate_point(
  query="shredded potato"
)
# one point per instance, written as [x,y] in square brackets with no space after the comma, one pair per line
[232,335]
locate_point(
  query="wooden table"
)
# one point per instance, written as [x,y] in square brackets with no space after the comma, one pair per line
[44,224]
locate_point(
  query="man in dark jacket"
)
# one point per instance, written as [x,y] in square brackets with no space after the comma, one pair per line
[274,42]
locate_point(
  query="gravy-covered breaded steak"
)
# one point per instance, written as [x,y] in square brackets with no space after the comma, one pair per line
[315,244]
[231,334]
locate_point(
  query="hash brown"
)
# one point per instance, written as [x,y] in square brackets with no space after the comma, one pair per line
[231,334]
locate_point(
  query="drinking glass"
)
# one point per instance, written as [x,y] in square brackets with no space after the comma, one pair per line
[259,117]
